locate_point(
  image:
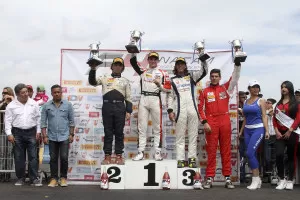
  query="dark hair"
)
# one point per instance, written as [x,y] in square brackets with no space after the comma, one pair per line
[175,70]
[55,86]
[293,104]
[215,71]
[19,87]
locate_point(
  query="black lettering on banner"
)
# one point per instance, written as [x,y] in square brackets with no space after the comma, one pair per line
[114,172]
[189,177]
[151,175]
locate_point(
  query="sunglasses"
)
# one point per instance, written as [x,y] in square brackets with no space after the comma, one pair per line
[4,93]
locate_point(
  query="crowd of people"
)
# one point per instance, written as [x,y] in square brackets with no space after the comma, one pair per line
[29,120]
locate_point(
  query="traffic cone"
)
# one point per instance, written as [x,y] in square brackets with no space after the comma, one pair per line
[166,184]
[104,180]
[197,180]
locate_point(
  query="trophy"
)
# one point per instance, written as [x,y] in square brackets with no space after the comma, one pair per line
[237,51]
[200,48]
[135,38]
[94,55]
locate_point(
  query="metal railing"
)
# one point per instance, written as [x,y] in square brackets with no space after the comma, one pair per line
[6,152]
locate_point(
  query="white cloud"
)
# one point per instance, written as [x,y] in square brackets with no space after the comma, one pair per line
[33,32]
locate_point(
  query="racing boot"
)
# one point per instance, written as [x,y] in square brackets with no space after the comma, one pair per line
[192,163]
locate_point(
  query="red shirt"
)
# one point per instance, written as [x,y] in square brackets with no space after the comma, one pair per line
[215,100]
[285,109]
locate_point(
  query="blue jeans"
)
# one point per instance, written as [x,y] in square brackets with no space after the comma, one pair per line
[59,149]
[253,138]
[25,140]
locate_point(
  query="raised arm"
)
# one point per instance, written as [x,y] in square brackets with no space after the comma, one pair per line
[134,64]
[92,78]
[198,75]
[229,85]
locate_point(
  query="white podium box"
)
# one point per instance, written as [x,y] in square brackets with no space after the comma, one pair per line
[148,174]
[115,176]
[185,177]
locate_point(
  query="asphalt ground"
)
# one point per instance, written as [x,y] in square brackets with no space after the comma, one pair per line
[10,192]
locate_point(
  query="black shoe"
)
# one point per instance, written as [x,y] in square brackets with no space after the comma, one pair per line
[180,164]
[192,163]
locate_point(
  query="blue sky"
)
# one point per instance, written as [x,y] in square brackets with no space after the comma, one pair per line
[33,32]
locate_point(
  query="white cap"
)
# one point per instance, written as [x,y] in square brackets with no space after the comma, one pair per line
[253,82]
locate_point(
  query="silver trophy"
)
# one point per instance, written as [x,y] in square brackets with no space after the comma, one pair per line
[200,48]
[94,55]
[134,45]
[238,55]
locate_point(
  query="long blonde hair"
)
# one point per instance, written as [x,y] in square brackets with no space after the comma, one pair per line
[9,91]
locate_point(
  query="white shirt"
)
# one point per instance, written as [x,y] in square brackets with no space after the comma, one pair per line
[23,116]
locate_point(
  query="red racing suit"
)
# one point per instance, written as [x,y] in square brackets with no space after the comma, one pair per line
[213,109]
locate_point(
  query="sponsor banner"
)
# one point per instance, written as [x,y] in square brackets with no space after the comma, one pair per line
[86,151]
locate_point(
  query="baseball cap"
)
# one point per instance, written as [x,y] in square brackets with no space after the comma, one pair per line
[29,87]
[153,54]
[273,101]
[180,59]
[118,60]
[253,82]
[297,91]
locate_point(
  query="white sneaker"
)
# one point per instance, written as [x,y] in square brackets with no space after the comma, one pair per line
[256,183]
[158,156]
[281,185]
[139,156]
[289,185]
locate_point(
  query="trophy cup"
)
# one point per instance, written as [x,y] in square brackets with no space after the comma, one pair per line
[200,48]
[94,55]
[135,38]
[238,55]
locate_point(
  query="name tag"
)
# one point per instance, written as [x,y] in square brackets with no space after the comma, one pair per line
[211,97]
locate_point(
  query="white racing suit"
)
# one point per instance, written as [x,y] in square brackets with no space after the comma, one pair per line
[182,101]
[150,103]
